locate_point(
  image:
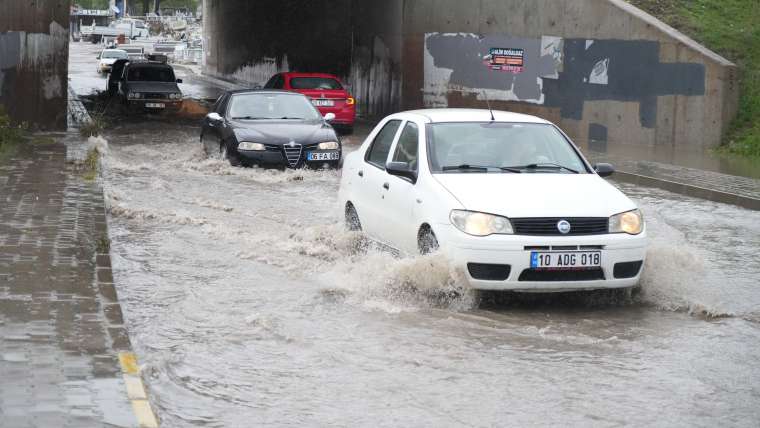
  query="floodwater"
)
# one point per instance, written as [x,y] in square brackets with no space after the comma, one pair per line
[250,305]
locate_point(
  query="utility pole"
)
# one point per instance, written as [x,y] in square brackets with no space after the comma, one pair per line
[125,8]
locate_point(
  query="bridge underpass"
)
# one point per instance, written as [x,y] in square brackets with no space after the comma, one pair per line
[603,70]
[34,41]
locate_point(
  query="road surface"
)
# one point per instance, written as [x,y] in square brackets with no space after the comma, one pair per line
[249,304]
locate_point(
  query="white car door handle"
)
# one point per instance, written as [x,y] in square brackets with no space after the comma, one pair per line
[386,186]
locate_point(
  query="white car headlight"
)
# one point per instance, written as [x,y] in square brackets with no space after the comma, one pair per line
[329,145]
[630,222]
[135,95]
[256,147]
[480,224]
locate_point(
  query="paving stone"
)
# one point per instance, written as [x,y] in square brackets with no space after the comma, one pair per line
[57,363]
[743,187]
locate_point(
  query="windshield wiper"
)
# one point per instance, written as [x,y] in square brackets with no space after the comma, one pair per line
[292,118]
[465,167]
[511,169]
[250,118]
[543,165]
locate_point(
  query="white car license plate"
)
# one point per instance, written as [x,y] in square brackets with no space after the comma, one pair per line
[316,156]
[569,260]
[155,105]
[323,103]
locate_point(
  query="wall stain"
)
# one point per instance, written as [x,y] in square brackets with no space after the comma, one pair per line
[634,73]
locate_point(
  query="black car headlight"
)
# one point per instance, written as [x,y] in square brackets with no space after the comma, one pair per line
[254,147]
[328,145]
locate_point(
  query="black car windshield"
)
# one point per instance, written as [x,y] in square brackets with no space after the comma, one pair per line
[151,74]
[501,147]
[315,83]
[115,54]
[264,106]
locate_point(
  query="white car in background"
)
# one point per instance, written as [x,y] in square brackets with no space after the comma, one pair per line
[508,198]
[108,57]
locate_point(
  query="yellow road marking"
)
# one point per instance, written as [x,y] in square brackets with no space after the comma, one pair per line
[136,391]
[145,416]
[135,388]
[128,362]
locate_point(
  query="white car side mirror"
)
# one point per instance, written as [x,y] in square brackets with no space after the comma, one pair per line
[330,117]
[214,117]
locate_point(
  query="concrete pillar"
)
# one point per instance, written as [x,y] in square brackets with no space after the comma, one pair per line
[34,57]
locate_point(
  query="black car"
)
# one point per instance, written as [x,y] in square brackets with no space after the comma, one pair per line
[146,85]
[270,128]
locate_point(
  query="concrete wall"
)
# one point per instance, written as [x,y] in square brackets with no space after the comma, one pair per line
[602,69]
[375,77]
[252,40]
[360,41]
[34,59]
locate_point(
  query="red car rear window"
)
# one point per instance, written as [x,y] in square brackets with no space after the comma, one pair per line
[315,83]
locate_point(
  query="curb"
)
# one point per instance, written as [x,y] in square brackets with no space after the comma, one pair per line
[689,190]
[136,392]
[78,114]
[111,308]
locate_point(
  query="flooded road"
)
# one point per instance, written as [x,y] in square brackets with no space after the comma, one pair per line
[250,305]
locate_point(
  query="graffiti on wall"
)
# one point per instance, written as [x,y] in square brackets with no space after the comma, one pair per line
[555,72]
[454,62]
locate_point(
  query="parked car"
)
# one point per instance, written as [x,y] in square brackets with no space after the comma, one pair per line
[326,91]
[134,51]
[148,85]
[108,57]
[270,128]
[508,198]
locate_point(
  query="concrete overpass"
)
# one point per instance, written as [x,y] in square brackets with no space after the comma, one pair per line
[602,69]
[34,40]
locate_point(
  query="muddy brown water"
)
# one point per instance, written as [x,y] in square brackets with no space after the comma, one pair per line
[249,305]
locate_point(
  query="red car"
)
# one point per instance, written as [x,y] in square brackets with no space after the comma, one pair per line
[326,92]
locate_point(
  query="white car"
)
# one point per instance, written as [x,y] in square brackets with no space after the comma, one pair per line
[508,198]
[108,57]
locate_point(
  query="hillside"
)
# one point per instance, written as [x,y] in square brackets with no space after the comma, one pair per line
[732,29]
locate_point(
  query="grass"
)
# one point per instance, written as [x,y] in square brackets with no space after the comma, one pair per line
[10,134]
[90,165]
[103,244]
[732,29]
[93,128]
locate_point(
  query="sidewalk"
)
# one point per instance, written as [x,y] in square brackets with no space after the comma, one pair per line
[61,328]
[714,186]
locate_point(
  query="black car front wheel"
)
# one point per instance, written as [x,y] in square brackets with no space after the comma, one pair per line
[226,154]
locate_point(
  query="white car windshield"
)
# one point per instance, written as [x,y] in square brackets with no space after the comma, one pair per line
[272,106]
[501,147]
[115,55]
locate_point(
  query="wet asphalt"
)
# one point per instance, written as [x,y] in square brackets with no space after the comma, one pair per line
[248,303]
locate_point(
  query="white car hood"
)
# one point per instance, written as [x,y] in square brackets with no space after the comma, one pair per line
[536,195]
[108,61]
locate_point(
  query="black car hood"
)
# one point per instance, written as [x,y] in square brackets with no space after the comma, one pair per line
[159,87]
[283,131]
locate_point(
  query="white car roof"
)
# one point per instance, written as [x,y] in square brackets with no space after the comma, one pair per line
[472,115]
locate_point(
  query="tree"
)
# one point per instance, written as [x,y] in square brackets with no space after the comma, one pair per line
[92,4]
